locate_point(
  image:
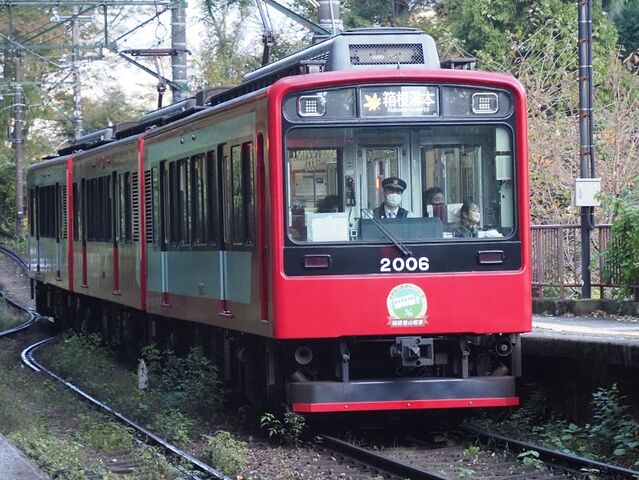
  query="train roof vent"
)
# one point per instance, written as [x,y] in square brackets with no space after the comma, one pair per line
[160,117]
[169,112]
[90,140]
[386,54]
[363,48]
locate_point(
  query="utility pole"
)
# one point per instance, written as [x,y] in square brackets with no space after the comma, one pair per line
[17,140]
[587,186]
[75,69]
[178,44]
[329,16]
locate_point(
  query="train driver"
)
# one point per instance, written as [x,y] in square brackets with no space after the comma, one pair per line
[393,188]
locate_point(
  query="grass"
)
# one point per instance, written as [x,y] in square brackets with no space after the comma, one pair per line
[65,436]
[9,317]
[611,435]
[180,403]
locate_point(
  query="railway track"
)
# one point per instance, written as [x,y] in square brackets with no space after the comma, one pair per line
[203,471]
[405,462]
[420,462]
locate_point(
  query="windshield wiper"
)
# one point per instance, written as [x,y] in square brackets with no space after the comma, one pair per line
[400,246]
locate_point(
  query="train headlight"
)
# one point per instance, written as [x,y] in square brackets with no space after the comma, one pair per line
[486,102]
[312,105]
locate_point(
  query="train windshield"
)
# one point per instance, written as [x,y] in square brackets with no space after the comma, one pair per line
[383,184]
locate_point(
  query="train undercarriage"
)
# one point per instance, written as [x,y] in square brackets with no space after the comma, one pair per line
[317,375]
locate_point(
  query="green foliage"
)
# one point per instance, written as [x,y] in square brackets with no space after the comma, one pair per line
[505,33]
[190,384]
[226,453]
[8,316]
[57,456]
[613,432]
[628,26]
[85,350]
[530,458]
[287,431]
[622,255]
[102,434]
[472,451]
[173,424]
[611,436]
[367,13]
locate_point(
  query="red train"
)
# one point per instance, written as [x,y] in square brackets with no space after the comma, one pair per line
[203,224]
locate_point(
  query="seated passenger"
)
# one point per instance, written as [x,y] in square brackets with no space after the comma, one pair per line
[393,189]
[434,197]
[469,218]
[328,204]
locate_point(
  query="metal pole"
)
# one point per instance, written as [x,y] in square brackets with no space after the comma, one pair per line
[178,43]
[586,160]
[77,88]
[329,18]
[17,141]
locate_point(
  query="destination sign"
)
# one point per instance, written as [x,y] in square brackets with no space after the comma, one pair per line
[406,101]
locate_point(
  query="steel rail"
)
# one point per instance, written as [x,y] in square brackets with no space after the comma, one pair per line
[32,314]
[378,461]
[553,457]
[27,358]
[14,256]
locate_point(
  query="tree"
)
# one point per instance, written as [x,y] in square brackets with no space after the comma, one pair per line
[627,23]
[537,42]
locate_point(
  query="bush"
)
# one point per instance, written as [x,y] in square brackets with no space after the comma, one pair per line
[226,453]
[621,264]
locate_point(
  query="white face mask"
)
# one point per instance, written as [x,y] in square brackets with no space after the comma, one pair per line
[475,216]
[393,199]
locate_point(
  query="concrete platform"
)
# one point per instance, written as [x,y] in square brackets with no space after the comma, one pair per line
[15,466]
[606,340]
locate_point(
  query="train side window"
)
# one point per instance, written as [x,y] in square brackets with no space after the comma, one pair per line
[198,202]
[125,207]
[76,212]
[83,209]
[173,204]
[237,186]
[165,210]
[211,196]
[248,161]
[63,224]
[227,195]
[184,201]
[31,212]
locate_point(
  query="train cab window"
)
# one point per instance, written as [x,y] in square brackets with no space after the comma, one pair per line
[334,183]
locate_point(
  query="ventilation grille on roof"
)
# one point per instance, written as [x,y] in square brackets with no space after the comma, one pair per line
[322,56]
[386,54]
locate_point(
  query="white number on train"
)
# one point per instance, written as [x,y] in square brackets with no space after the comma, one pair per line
[399,264]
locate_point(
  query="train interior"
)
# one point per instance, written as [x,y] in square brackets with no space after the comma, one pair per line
[335,181]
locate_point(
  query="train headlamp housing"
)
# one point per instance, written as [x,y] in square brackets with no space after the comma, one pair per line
[312,105]
[485,103]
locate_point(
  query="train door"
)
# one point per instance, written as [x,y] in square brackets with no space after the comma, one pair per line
[380,161]
[238,196]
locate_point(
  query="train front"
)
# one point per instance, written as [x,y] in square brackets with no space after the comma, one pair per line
[421,309]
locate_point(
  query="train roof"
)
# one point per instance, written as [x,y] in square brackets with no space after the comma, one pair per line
[358,49]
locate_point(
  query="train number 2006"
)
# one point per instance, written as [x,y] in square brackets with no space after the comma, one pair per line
[399,264]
